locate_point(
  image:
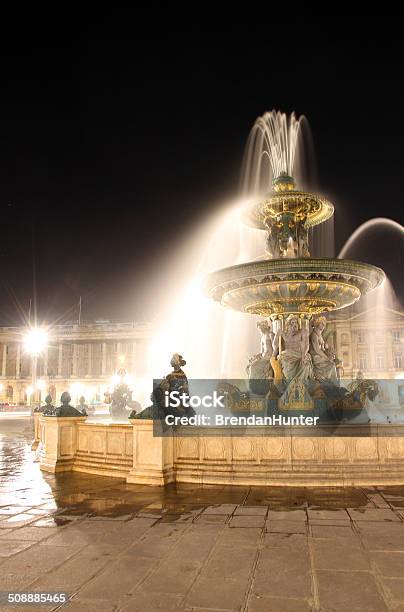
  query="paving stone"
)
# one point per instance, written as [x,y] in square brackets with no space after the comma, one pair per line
[332,515]
[287,515]
[247,521]
[395,587]
[283,568]
[227,594]
[278,604]
[11,548]
[145,601]
[378,500]
[332,532]
[286,527]
[383,541]
[349,591]
[88,605]
[251,510]
[74,573]
[390,563]
[212,518]
[237,564]
[172,578]
[18,520]
[118,580]
[34,534]
[193,547]
[220,509]
[286,540]
[339,555]
[240,537]
[373,514]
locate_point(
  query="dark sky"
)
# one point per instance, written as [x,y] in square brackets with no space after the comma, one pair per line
[109,153]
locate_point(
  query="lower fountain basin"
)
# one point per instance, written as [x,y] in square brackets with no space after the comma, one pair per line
[303,286]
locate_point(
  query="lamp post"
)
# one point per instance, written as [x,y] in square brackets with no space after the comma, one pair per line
[35,342]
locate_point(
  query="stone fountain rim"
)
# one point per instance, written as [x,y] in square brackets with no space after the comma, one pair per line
[294,263]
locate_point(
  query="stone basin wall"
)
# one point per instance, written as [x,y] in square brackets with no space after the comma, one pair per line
[260,456]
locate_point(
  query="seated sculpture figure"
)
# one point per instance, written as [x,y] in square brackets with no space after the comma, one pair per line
[296,363]
[259,368]
[323,359]
[294,358]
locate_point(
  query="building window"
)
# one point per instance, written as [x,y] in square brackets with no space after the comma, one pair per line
[363,362]
[345,359]
[398,360]
[344,339]
[396,335]
[361,337]
[380,361]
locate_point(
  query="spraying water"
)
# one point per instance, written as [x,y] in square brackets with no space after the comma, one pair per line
[215,341]
[379,222]
[277,144]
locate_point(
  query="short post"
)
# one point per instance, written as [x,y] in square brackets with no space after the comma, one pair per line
[153,454]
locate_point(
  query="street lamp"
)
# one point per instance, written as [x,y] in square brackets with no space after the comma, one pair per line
[35,342]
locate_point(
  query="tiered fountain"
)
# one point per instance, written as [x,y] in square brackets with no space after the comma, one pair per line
[288,281]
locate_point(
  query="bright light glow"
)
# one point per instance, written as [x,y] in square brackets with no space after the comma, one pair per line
[115,380]
[1,387]
[77,387]
[41,384]
[35,340]
[121,359]
[399,376]
[29,390]
[128,379]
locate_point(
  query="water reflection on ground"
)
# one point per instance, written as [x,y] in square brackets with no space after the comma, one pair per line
[24,489]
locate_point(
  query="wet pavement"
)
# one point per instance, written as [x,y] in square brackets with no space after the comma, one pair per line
[114,546]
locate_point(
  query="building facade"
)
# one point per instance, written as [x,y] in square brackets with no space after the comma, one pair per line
[371,342]
[80,359]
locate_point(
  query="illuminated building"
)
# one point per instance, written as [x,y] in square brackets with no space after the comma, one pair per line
[79,358]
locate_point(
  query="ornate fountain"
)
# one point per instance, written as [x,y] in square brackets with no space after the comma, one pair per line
[288,283]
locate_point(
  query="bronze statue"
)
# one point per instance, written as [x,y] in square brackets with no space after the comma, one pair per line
[48,408]
[175,381]
[82,405]
[65,410]
[121,398]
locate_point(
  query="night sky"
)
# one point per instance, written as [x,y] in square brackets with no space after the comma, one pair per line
[110,153]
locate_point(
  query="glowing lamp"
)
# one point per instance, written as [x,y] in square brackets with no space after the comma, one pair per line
[35,340]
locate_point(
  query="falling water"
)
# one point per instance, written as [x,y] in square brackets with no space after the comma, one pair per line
[216,341]
[378,223]
[379,311]
[277,144]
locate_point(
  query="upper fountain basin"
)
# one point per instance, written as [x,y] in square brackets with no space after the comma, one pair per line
[303,286]
[313,208]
